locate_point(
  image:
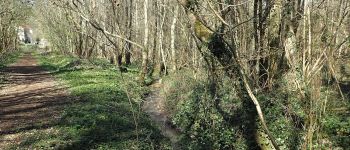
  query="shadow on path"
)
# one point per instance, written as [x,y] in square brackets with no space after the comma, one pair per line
[29,99]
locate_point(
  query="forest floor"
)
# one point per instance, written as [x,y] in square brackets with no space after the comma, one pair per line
[30,99]
[53,101]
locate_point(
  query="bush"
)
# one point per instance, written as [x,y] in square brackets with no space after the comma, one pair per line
[205,123]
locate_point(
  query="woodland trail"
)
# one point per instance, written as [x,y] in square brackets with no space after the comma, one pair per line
[155,106]
[30,99]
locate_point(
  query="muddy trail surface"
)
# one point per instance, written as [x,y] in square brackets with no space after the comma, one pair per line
[30,99]
[154,106]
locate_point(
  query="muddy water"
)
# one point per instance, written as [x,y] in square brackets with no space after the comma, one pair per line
[154,106]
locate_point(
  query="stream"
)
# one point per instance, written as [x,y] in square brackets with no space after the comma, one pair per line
[154,107]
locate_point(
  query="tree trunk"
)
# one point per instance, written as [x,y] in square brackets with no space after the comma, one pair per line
[129,45]
[144,66]
[226,56]
[162,63]
[173,35]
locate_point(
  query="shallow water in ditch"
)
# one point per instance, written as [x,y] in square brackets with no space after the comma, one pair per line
[154,106]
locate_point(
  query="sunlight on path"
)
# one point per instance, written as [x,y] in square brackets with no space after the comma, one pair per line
[30,100]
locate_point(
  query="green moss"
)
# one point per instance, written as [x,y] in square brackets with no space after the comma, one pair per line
[202,31]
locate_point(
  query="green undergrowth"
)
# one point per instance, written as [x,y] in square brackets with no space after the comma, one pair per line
[226,121]
[205,123]
[8,58]
[99,115]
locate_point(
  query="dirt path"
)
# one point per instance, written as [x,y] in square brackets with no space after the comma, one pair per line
[155,106]
[30,99]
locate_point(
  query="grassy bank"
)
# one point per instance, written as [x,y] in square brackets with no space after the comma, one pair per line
[10,57]
[103,110]
[6,59]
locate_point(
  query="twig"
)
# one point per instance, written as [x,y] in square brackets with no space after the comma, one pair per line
[217,14]
[135,118]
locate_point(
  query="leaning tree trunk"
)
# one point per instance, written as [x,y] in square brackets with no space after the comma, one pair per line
[227,56]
